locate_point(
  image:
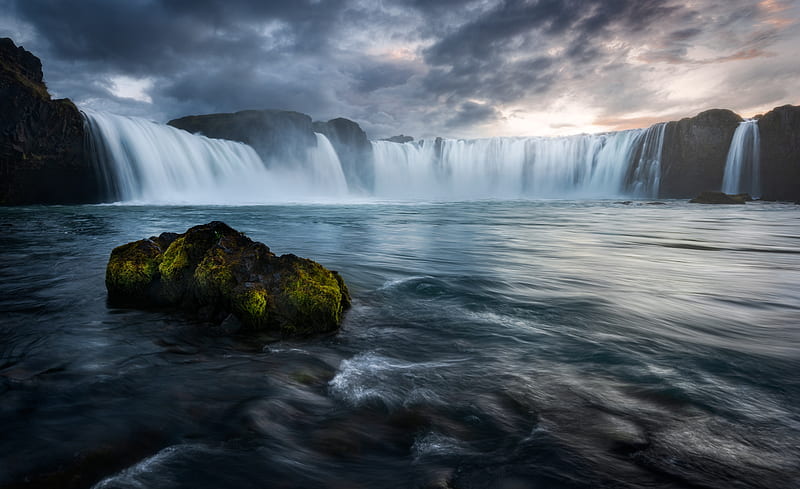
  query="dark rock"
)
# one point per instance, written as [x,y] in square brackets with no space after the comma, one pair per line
[720,198]
[694,154]
[280,137]
[779,132]
[399,139]
[655,203]
[354,151]
[214,271]
[42,155]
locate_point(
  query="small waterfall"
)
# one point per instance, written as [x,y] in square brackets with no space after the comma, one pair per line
[647,173]
[153,163]
[326,169]
[584,166]
[742,167]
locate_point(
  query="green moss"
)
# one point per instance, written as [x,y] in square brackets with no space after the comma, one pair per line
[252,305]
[314,293]
[175,260]
[132,268]
[213,276]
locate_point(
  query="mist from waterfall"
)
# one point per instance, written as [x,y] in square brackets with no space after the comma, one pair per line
[146,162]
[742,167]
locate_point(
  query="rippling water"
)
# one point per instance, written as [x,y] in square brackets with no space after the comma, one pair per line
[490,345]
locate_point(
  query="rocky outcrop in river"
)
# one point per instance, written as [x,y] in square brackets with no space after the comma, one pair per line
[224,277]
[42,154]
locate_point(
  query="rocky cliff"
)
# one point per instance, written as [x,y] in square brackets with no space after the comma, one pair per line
[694,154]
[42,145]
[354,151]
[779,131]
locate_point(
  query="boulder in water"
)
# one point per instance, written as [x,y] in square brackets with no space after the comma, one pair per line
[720,198]
[218,272]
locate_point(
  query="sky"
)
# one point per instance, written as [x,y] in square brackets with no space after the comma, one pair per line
[452,68]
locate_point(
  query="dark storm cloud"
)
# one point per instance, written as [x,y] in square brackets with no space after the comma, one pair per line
[406,66]
[471,113]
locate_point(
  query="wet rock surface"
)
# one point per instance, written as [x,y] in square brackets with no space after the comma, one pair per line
[225,278]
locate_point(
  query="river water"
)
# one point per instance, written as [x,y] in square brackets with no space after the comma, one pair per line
[493,344]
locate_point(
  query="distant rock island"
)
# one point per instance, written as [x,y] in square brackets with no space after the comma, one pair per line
[44,156]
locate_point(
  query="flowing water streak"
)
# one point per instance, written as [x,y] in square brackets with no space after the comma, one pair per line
[586,165]
[742,166]
[142,161]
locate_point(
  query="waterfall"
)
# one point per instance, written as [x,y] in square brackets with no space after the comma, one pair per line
[146,162]
[584,166]
[742,166]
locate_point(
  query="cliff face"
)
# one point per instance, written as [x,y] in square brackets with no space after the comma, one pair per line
[42,154]
[278,136]
[694,154]
[779,131]
[354,151]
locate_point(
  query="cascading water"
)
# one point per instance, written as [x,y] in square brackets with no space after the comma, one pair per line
[742,167]
[597,165]
[153,163]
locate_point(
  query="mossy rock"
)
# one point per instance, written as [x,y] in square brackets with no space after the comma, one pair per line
[213,271]
[133,270]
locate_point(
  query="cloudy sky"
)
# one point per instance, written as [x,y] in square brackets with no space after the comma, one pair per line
[453,68]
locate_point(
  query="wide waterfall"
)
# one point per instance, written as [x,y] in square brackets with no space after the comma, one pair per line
[742,167]
[146,162]
[153,163]
[583,166]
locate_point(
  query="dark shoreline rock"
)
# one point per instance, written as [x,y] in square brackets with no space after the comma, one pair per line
[216,272]
[720,198]
[43,159]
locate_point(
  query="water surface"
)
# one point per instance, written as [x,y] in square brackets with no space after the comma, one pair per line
[490,345]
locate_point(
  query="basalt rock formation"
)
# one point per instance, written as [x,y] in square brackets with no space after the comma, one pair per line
[779,131]
[221,275]
[694,154]
[42,154]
